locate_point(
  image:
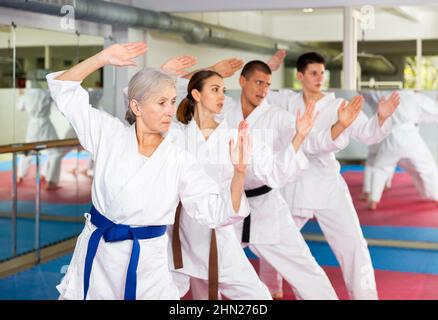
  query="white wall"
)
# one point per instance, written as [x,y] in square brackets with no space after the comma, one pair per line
[329,27]
[31,37]
[252,21]
[325,24]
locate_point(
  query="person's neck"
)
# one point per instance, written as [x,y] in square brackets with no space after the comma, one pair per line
[147,140]
[312,95]
[247,107]
[205,121]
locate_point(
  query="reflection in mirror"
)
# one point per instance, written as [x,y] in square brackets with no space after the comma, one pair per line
[394,183]
[60,211]
[52,186]
[27,114]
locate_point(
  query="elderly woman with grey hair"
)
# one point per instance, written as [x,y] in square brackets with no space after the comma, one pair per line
[139,179]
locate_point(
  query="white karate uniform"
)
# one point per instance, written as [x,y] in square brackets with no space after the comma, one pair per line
[274,236]
[322,193]
[405,143]
[129,188]
[369,169]
[237,277]
[37,103]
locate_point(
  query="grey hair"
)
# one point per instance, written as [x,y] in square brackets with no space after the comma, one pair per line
[144,85]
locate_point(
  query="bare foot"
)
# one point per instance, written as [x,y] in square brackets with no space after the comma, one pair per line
[372,205]
[89,174]
[364,196]
[73,171]
[277,295]
[52,186]
[19,180]
[85,172]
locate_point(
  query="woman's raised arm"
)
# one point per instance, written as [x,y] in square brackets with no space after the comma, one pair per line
[117,55]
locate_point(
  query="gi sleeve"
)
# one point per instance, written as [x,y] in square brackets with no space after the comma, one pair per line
[204,200]
[90,124]
[428,108]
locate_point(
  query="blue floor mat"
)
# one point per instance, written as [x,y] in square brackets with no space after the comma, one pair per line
[7,165]
[39,282]
[56,209]
[392,259]
[360,168]
[51,232]
[385,232]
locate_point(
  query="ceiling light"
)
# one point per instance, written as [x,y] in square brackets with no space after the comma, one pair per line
[307,10]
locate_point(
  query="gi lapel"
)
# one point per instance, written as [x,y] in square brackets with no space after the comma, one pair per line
[256,113]
[147,174]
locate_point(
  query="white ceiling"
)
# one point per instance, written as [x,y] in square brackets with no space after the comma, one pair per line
[258,5]
[329,11]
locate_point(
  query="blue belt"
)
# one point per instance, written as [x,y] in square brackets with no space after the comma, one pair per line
[112,232]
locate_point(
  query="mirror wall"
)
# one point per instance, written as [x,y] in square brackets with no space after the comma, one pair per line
[27,114]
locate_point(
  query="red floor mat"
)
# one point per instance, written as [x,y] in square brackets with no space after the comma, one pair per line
[400,206]
[391,285]
[73,189]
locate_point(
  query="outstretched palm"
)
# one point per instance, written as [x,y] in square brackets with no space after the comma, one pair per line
[347,113]
[241,152]
[305,123]
[226,68]
[176,66]
[276,60]
[386,107]
[122,54]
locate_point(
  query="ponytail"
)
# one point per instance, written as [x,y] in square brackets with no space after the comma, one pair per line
[186,109]
[130,117]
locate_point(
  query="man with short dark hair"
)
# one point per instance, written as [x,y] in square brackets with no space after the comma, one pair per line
[270,232]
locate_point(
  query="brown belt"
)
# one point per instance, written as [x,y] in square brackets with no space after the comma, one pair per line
[213,270]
